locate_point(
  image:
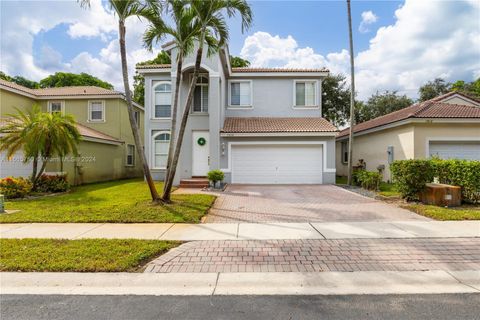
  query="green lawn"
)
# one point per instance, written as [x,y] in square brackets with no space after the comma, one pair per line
[465,212]
[88,255]
[117,201]
[388,190]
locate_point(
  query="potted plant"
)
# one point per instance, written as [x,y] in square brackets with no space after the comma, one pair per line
[215,176]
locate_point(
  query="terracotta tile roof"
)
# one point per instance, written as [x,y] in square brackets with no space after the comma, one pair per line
[154,66]
[266,125]
[15,86]
[248,69]
[452,93]
[84,131]
[76,91]
[92,133]
[427,109]
[62,91]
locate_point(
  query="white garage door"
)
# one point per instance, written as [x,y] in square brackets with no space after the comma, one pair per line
[14,166]
[277,164]
[469,150]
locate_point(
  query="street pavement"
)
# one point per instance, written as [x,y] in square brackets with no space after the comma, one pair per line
[343,307]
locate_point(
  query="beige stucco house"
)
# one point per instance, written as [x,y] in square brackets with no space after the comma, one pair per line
[107,150]
[447,126]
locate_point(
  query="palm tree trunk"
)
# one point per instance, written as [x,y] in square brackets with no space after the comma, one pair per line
[171,148]
[136,135]
[183,124]
[352,97]
[34,169]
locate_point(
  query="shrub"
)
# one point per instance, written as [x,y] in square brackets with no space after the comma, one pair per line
[52,183]
[15,187]
[462,173]
[411,176]
[215,175]
[367,179]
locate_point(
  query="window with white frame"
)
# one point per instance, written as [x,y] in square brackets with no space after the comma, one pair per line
[55,107]
[200,95]
[240,93]
[96,111]
[305,93]
[130,155]
[163,100]
[161,141]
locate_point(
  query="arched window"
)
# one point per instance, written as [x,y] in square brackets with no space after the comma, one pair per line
[161,141]
[200,97]
[163,100]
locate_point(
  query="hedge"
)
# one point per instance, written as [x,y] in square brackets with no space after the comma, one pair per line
[410,176]
[368,179]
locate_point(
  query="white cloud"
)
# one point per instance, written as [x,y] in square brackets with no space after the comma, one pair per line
[368,18]
[22,22]
[426,41]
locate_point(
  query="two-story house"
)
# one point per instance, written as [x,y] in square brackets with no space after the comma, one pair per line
[258,125]
[107,150]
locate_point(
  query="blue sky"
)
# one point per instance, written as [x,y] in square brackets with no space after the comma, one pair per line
[398,44]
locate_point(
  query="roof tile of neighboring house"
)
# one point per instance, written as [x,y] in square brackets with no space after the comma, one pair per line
[76,91]
[92,133]
[452,93]
[267,125]
[84,131]
[62,91]
[428,109]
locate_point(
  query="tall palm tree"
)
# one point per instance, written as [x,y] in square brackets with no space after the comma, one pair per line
[352,97]
[125,9]
[41,135]
[214,33]
[184,32]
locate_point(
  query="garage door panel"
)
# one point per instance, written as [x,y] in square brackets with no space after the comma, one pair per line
[469,150]
[277,164]
[14,166]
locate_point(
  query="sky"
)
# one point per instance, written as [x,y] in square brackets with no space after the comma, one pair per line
[398,45]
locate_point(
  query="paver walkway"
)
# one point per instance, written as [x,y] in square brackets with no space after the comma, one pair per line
[299,203]
[322,255]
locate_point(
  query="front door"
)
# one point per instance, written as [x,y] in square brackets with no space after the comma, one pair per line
[201,153]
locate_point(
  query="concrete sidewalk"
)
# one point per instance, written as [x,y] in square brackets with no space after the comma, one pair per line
[295,283]
[244,231]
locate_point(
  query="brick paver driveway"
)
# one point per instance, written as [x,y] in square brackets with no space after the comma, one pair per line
[322,255]
[300,203]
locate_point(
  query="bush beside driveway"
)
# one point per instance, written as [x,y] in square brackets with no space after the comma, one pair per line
[125,201]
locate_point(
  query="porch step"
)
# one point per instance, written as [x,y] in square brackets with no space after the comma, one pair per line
[194,183]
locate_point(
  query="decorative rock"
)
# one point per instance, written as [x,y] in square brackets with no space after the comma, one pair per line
[441,195]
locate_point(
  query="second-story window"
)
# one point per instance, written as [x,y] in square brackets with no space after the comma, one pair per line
[55,106]
[136,115]
[163,100]
[96,111]
[200,96]
[305,93]
[240,94]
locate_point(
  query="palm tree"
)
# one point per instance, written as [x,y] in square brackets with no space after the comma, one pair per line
[125,9]
[41,135]
[213,32]
[184,32]
[352,96]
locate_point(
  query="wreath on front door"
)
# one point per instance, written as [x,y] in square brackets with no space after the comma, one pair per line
[201,141]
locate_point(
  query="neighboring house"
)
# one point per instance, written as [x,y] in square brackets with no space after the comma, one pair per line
[107,149]
[258,125]
[447,126]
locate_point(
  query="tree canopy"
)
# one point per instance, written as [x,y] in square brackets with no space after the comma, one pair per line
[380,104]
[237,62]
[20,80]
[66,79]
